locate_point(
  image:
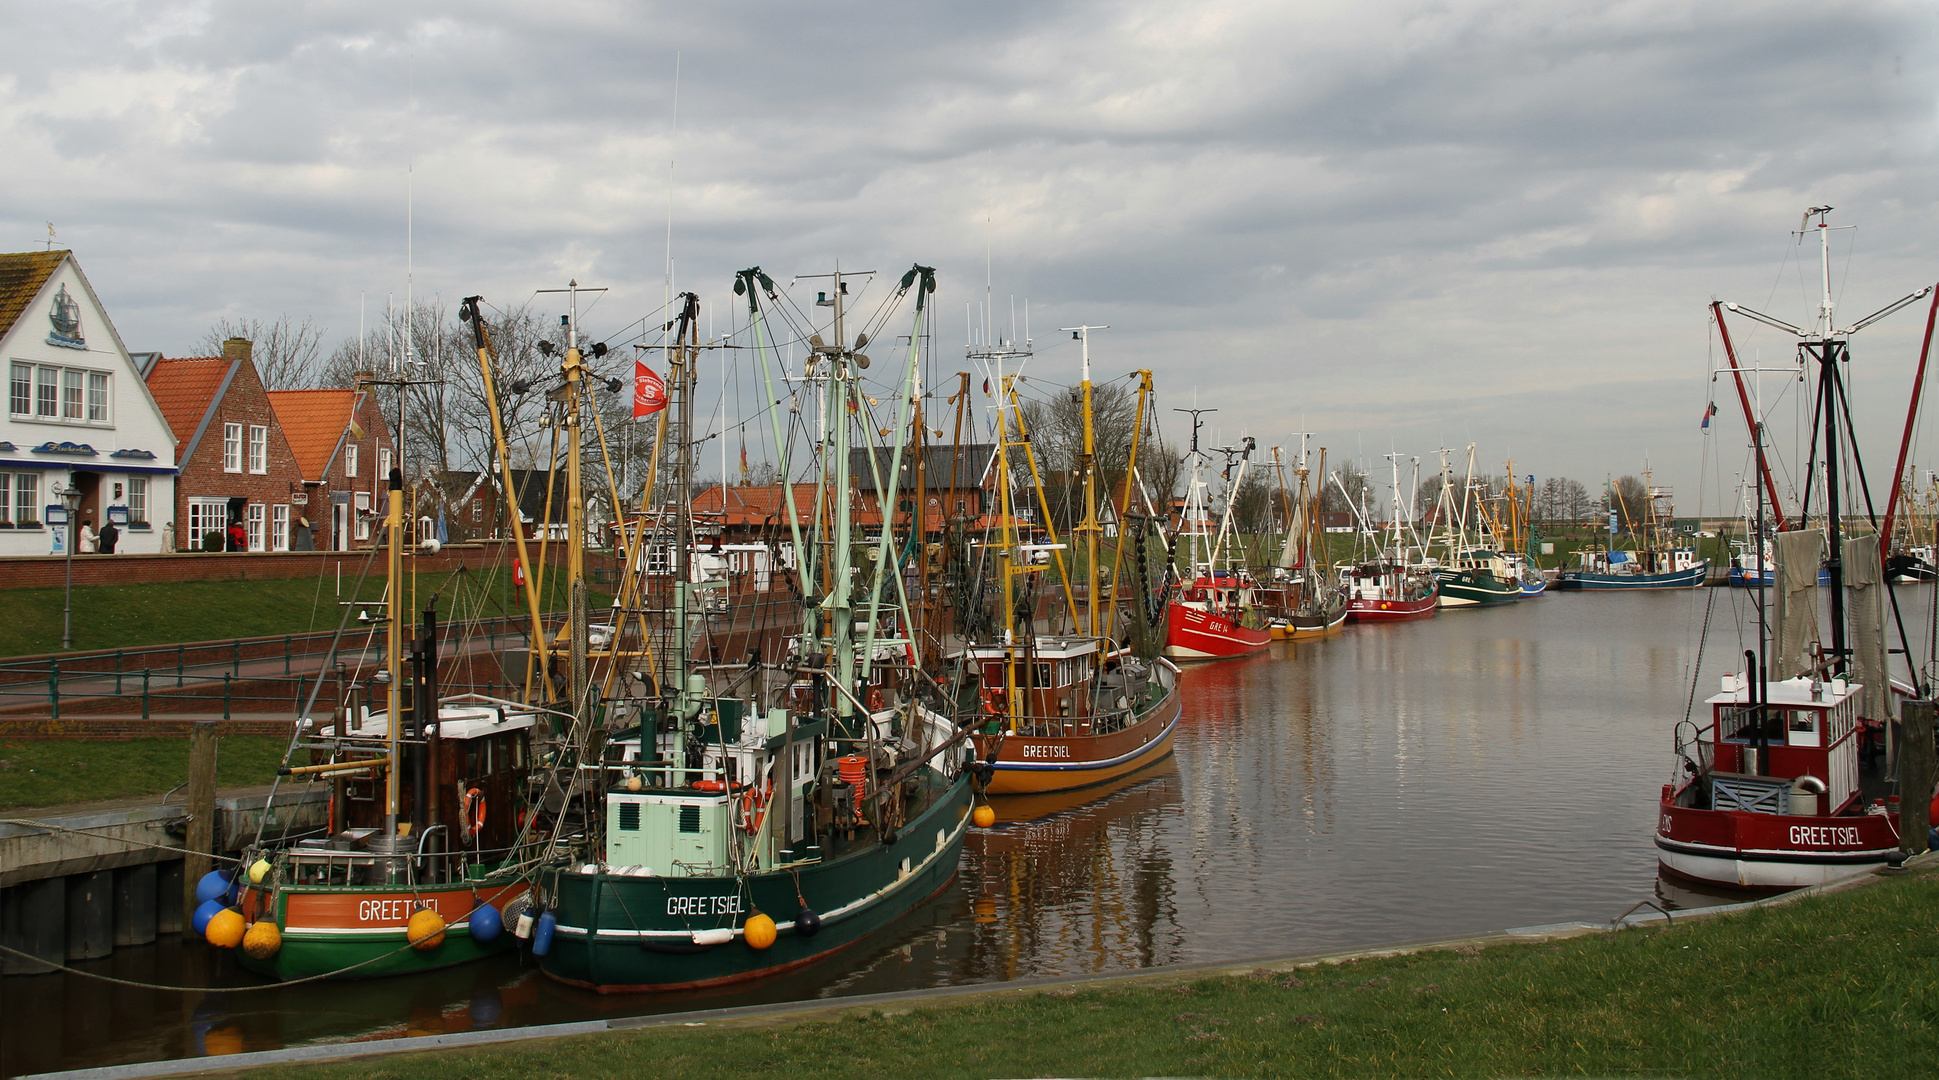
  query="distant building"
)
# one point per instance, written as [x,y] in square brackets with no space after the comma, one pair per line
[235,462]
[963,474]
[344,452]
[78,415]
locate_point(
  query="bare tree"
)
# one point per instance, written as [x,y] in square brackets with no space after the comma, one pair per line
[1354,480]
[1629,499]
[285,352]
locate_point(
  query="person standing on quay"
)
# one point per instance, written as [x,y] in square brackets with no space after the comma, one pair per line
[86,544]
[110,535]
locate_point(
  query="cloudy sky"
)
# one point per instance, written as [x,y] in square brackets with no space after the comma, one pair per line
[1398,225]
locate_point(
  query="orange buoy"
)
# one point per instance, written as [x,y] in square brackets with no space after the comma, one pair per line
[225,929]
[758,931]
[983,817]
[425,931]
[262,940]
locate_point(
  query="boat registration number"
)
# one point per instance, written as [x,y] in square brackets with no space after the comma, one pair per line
[1823,835]
[390,911]
[1046,750]
[704,905]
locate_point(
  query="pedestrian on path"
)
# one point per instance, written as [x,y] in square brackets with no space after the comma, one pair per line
[86,545]
[110,535]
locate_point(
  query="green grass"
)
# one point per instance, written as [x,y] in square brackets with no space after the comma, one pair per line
[131,616]
[58,771]
[1845,985]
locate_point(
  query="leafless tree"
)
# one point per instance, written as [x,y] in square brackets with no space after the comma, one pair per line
[285,351]
[1629,499]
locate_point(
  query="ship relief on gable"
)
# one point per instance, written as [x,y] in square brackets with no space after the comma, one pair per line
[65,315]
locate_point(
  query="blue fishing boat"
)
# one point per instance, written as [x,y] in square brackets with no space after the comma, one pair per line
[1676,568]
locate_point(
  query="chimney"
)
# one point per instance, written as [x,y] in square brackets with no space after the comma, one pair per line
[237,348]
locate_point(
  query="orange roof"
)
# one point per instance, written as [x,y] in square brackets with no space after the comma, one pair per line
[184,388]
[313,421]
[21,276]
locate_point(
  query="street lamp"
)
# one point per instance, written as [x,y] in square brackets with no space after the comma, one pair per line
[70,498]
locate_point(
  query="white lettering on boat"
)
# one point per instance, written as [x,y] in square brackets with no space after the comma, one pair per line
[1824,835]
[389,911]
[704,905]
[1666,824]
[1045,750]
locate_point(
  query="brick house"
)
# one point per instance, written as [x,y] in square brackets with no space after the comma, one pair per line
[973,487]
[343,450]
[79,417]
[235,463]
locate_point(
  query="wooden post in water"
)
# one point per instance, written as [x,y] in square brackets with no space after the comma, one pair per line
[201,803]
[1915,775]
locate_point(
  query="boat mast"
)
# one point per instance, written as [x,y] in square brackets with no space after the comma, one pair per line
[1087,464]
[394,645]
[1195,495]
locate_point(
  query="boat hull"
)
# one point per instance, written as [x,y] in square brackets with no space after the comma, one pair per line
[1193,634]
[1307,627]
[1029,765]
[1741,578]
[621,934]
[1586,581]
[1743,850]
[358,931]
[1462,588]
[1393,610]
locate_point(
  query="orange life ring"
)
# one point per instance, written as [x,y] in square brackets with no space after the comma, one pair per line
[751,808]
[474,812]
[875,699]
[993,700]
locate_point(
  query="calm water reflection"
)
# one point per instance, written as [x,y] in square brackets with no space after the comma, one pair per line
[1479,770]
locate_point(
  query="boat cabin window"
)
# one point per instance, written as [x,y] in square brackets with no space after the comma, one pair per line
[1044,677]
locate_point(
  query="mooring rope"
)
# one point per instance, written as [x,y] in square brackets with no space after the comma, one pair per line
[90,831]
[202,989]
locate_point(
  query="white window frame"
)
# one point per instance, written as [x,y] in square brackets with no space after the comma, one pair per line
[100,412]
[137,500]
[20,389]
[74,394]
[383,464]
[279,527]
[350,460]
[255,522]
[360,507]
[6,499]
[232,448]
[26,500]
[258,448]
[207,515]
[47,392]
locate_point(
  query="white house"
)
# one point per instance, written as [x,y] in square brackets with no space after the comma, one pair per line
[78,414]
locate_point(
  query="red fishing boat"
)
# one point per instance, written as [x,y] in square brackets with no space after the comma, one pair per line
[1383,586]
[1215,614]
[1770,793]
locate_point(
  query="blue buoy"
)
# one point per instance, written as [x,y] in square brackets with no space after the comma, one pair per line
[806,922]
[486,924]
[209,910]
[211,887]
[542,936]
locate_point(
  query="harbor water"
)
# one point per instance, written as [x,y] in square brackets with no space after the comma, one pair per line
[1480,770]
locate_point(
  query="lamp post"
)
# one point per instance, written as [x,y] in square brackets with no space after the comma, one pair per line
[71,499]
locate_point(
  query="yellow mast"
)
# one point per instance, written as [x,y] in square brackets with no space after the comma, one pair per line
[1088,465]
[1124,507]
[394,645]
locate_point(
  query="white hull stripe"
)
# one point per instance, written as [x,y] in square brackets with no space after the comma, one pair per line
[837,914]
[1019,766]
[1778,855]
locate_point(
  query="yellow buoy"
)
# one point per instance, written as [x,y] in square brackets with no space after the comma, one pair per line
[425,931]
[263,940]
[225,929]
[758,931]
[983,817]
[258,870]
[634,783]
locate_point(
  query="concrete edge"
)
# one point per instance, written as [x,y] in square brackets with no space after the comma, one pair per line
[907,1000]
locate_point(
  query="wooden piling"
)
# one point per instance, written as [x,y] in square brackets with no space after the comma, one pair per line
[1916,752]
[201,803]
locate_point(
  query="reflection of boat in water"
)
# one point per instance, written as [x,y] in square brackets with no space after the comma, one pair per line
[1074,882]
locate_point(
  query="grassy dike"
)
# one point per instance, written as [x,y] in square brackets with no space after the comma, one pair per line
[53,772]
[1841,984]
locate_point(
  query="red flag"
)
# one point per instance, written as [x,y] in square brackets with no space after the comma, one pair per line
[649,392]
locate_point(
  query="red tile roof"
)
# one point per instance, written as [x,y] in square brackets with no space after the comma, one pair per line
[313,421]
[184,388]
